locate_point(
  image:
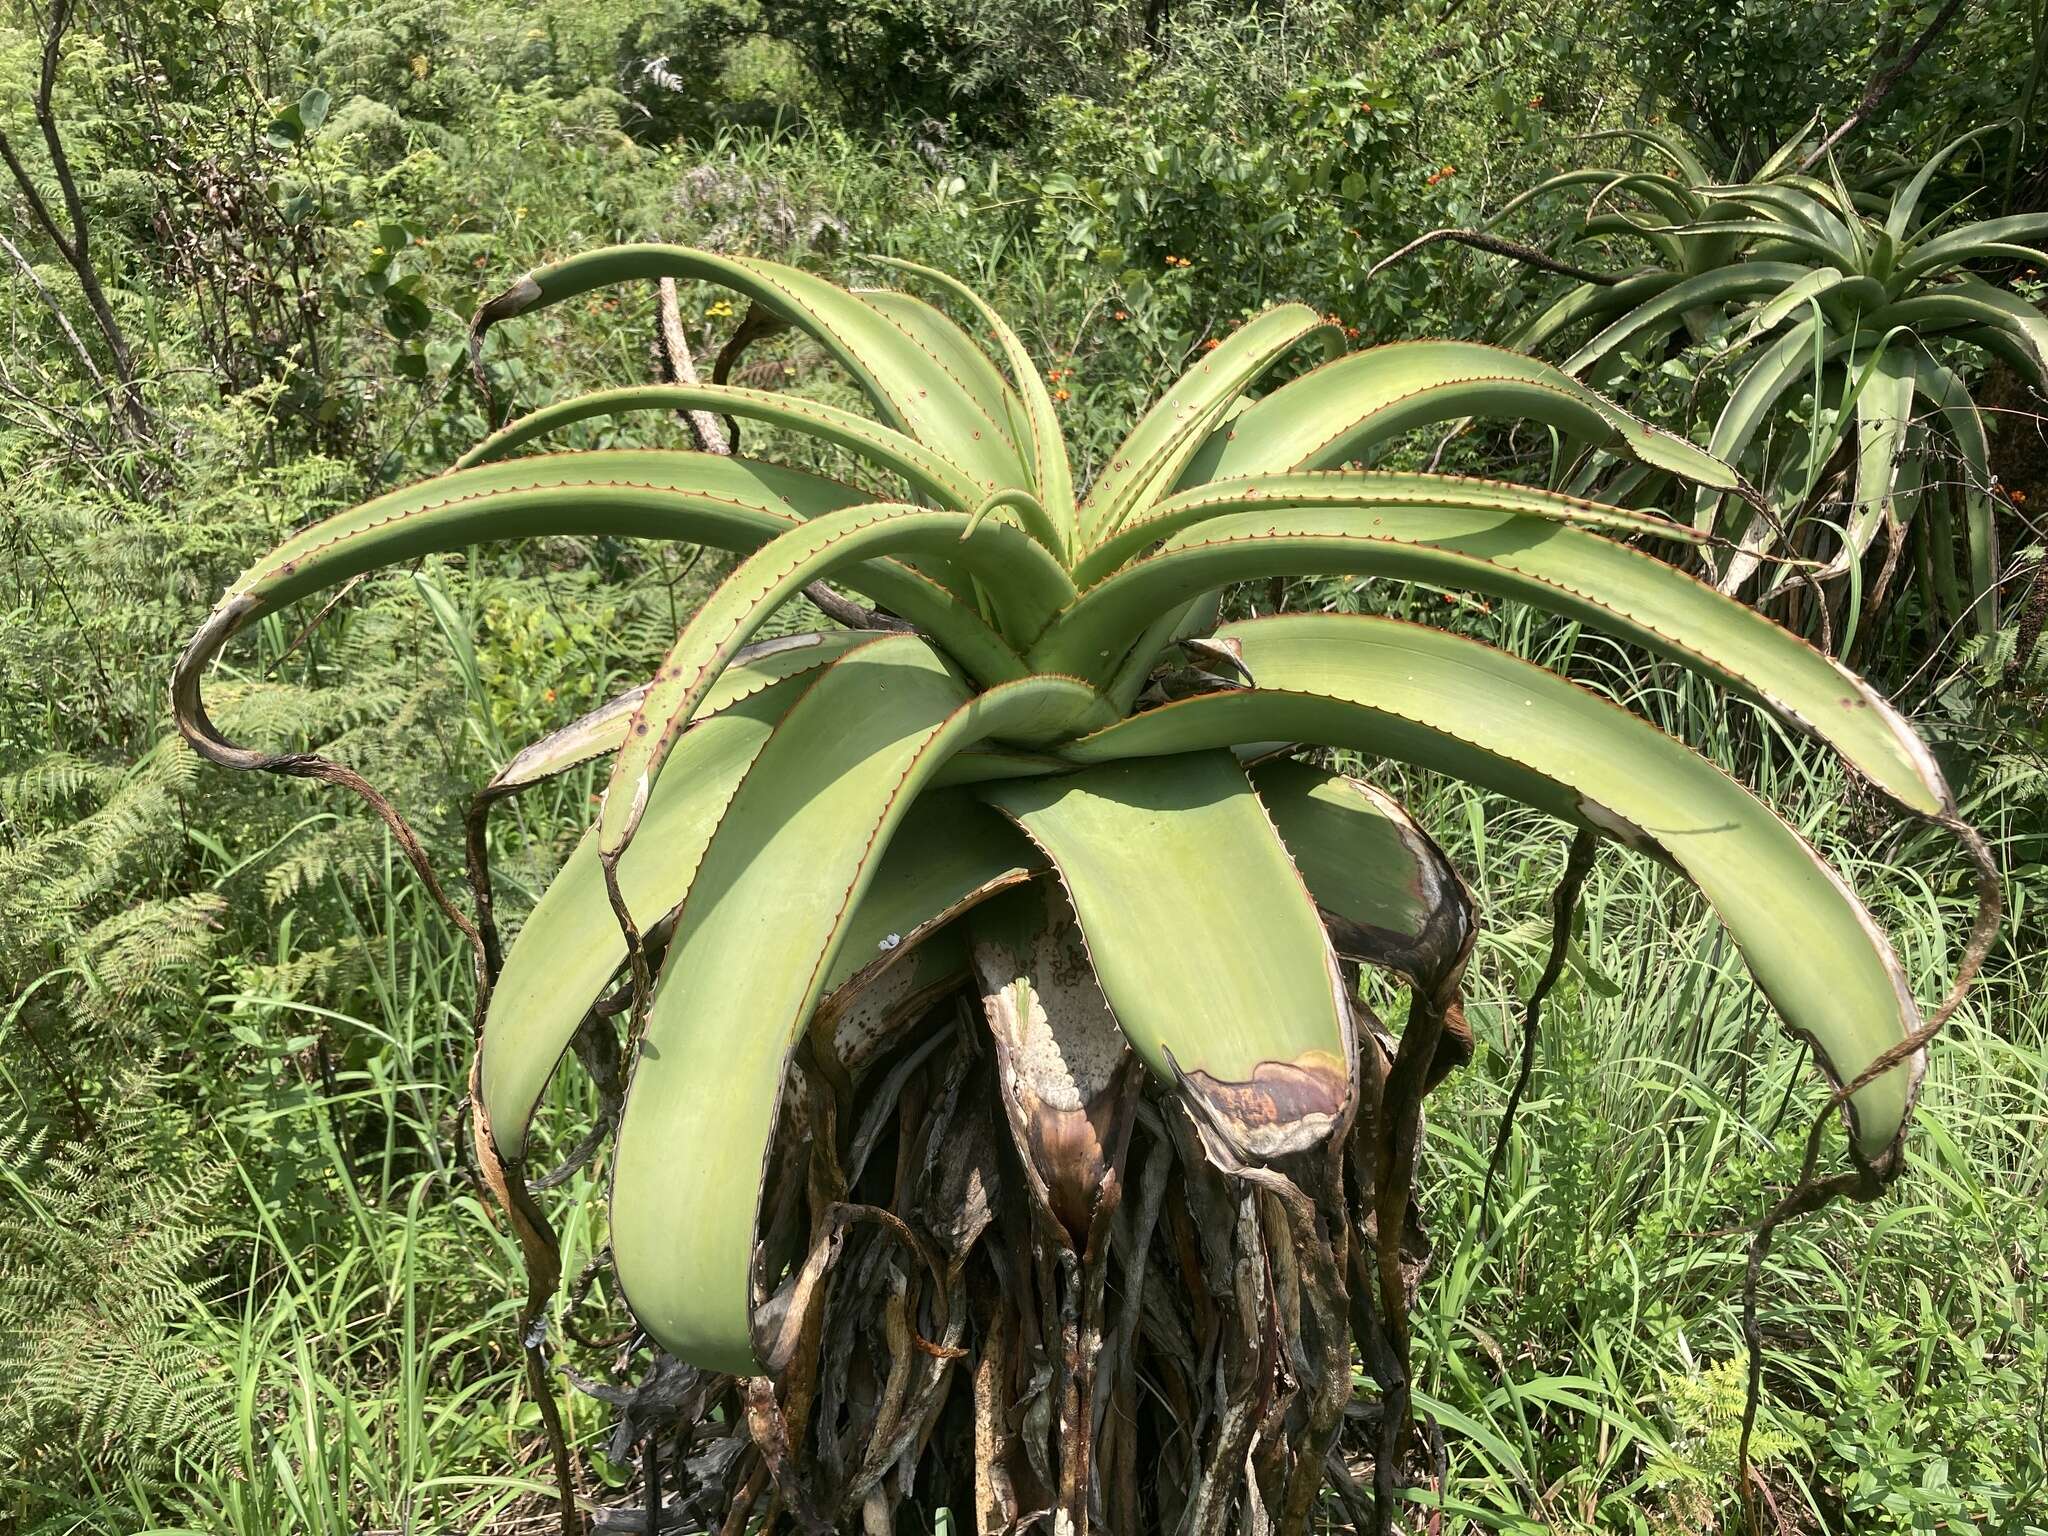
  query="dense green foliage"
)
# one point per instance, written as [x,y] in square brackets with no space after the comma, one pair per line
[244,1283]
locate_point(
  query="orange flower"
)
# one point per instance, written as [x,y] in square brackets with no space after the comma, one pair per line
[1120,315]
[2019,498]
[1060,394]
[1211,344]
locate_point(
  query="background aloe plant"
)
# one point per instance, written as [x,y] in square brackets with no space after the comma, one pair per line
[998,1114]
[1841,320]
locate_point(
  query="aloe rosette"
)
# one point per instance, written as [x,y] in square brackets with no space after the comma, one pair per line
[1862,301]
[1063,787]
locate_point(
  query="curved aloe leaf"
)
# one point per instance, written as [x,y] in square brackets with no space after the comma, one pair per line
[951,854]
[1027,578]
[571,943]
[1672,200]
[1786,361]
[727,502]
[1152,455]
[1792,299]
[1342,409]
[930,474]
[1454,705]
[1807,215]
[766,915]
[1899,221]
[906,380]
[1362,489]
[1387,893]
[1964,243]
[599,733]
[1052,476]
[1590,301]
[1000,453]
[1776,232]
[1971,303]
[1545,563]
[1666,311]
[1231,992]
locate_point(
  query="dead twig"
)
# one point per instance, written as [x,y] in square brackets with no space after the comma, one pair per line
[1481,240]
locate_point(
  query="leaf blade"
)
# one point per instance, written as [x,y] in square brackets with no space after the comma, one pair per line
[1457,706]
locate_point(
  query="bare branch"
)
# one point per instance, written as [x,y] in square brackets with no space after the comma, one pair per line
[73,245]
[1480,239]
[92,370]
[1882,85]
[672,356]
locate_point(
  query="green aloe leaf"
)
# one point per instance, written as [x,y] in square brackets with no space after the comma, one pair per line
[1658,317]
[1342,409]
[1772,233]
[1456,706]
[1590,301]
[1181,514]
[1052,477]
[1229,989]
[768,913]
[1152,455]
[952,853]
[1550,565]
[1000,455]
[1792,299]
[1964,243]
[929,474]
[1387,893]
[1028,581]
[1972,305]
[1899,219]
[906,380]
[571,944]
[726,502]
[1809,215]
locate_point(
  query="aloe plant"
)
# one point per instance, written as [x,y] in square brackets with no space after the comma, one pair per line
[1857,302]
[1004,1115]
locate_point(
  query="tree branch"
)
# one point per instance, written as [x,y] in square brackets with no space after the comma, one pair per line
[672,356]
[75,247]
[1480,239]
[1881,86]
[92,369]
